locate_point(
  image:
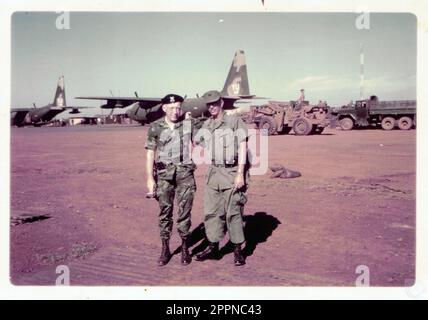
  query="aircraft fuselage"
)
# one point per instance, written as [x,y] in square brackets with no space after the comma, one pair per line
[36,116]
[44,114]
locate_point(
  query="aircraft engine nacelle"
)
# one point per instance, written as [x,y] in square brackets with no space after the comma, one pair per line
[136,113]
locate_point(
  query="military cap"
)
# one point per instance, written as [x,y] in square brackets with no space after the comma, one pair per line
[211,96]
[171,98]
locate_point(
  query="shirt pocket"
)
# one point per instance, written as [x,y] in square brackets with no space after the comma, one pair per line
[162,142]
[227,143]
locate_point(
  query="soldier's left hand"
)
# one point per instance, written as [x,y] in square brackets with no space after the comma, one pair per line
[239,181]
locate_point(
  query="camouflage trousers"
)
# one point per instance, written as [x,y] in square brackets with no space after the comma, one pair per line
[223,205]
[175,181]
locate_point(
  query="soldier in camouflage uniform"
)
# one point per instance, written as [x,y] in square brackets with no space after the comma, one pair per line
[226,178]
[171,138]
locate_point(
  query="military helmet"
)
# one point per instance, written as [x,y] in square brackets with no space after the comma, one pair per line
[211,96]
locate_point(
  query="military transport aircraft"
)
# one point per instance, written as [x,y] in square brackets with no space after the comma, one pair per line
[146,110]
[40,116]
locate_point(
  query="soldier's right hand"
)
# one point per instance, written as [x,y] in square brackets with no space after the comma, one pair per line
[151,186]
[151,196]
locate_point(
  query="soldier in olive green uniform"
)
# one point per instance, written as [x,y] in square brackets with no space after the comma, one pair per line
[171,138]
[226,179]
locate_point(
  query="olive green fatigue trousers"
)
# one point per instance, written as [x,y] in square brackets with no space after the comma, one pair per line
[223,205]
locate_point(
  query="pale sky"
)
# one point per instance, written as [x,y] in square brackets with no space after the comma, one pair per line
[190,53]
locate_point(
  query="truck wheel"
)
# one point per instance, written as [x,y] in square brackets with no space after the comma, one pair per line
[405,123]
[346,123]
[268,124]
[388,123]
[302,127]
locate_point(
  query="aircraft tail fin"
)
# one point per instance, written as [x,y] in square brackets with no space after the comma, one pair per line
[237,80]
[59,99]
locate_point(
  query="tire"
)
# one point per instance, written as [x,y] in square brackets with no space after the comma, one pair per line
[346,123]
[388,123]
[268,124]
[302,127]
[405,123]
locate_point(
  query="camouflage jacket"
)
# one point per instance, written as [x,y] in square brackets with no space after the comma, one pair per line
[173,145]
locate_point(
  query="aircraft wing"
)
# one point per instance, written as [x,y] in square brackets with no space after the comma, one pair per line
[135,99]
[20,109]
[252,97]
[122,102]
[76,109]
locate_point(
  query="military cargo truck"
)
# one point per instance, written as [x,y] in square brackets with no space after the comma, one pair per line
[281,117]
[372,112]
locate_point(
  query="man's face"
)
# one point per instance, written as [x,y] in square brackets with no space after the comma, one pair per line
[215,107]
[172,111]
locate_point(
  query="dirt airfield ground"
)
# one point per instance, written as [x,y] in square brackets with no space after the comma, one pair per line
[353,205]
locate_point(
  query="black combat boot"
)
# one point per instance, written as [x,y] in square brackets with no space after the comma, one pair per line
[186,258]
[211,252]
[166,254]
[239,258]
